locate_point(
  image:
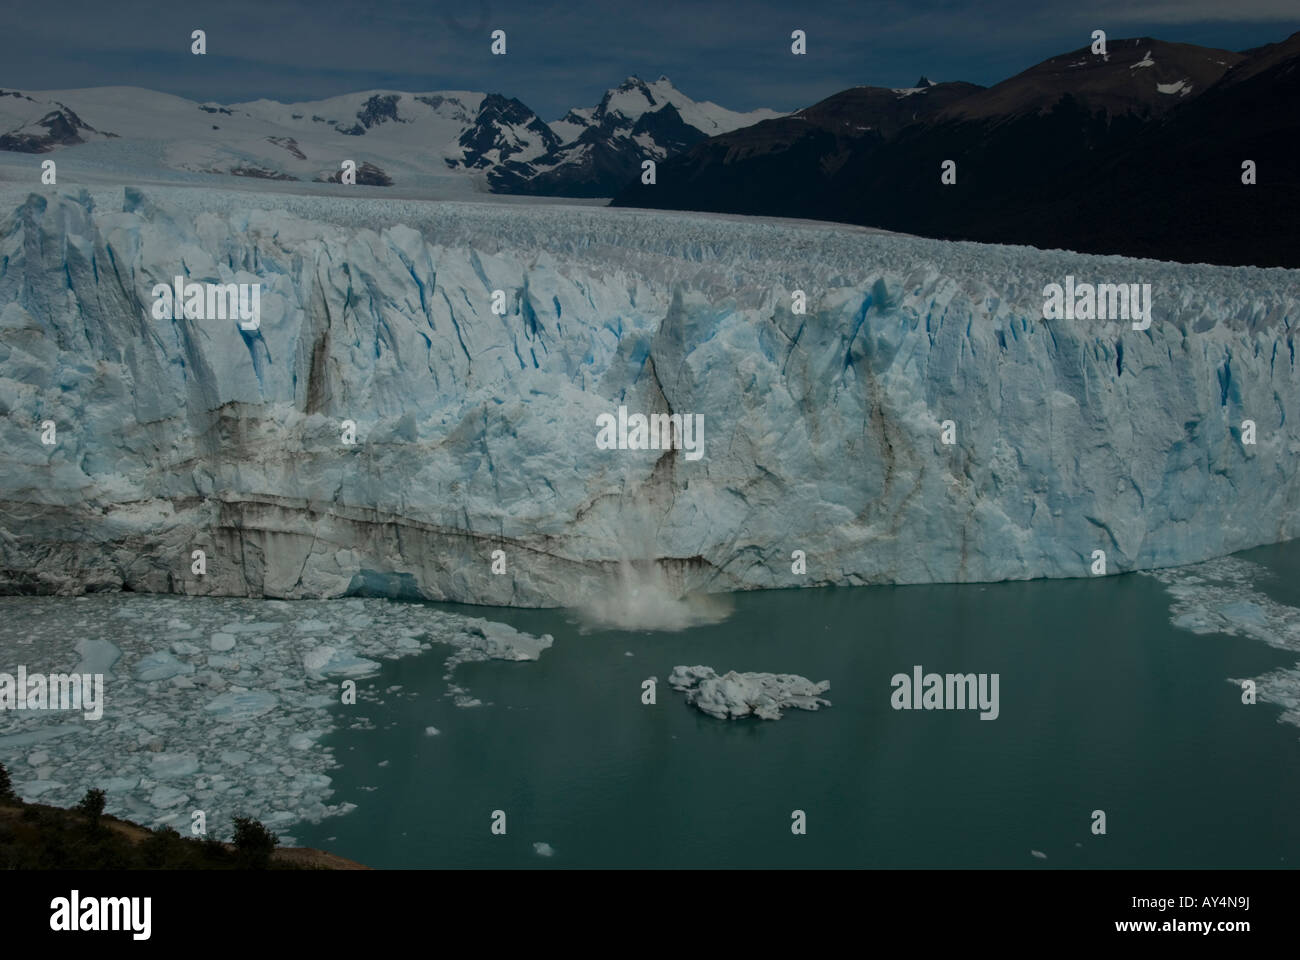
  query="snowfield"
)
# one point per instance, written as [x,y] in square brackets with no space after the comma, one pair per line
[477,432]
[429,145]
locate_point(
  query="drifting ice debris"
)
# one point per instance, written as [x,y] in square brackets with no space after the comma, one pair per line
[487,640]
[325,662]
[177,733]
[237,706]
[735,695]
[97,656]
[1220,597]
[161,665]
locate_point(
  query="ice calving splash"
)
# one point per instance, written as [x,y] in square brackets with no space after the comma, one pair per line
[640,594]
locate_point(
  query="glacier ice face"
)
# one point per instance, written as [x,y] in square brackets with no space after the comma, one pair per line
[476,432]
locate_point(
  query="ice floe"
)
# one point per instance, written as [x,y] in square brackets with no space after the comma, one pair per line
[735,695]
[1219,596]
[216,704]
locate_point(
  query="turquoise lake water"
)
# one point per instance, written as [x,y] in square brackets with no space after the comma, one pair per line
[1104,705]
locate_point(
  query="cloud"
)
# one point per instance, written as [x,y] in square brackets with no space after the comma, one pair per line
[1200,11]
[566,53]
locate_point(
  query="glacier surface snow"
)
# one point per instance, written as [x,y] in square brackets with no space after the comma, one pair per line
[476,432]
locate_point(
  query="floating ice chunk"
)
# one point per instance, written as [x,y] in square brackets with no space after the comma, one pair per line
[734,695]
[35,788]
[500,641]
[543,849]
[326,661]
[1039,854]
[183,649]
[168,766]
[114,785]
[164,796]
[1194,622]
[235,758]
[221,642]
[313,626]
[431,731]
[161,665]
[1244,612]
[97,656]
[154,722]
[242,704]
[255,627]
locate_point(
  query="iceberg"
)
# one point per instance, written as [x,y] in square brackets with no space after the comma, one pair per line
[327,662]
[161,665]
[734,695]
[476,430]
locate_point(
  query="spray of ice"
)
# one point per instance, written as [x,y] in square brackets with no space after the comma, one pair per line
[639,593]
[641,596]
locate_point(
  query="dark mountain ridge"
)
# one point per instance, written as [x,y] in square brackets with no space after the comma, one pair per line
[1138,153]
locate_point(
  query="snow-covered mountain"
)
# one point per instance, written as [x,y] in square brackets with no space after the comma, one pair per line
[411,138]
[601,149]
[33,125]
[414,140]
[475,432]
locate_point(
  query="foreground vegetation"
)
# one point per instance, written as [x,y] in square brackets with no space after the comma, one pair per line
[34,836]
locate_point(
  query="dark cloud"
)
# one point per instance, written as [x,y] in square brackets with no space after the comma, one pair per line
[564,54]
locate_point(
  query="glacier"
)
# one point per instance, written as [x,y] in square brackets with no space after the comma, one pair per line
[476,432]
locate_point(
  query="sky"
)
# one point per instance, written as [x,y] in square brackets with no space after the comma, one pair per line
[567,54]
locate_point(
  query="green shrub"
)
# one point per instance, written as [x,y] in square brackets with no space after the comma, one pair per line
[92,805]
[253,843]
[161,848]
[7,794]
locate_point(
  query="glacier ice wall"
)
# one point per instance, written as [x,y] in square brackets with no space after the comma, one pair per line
[476,432]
